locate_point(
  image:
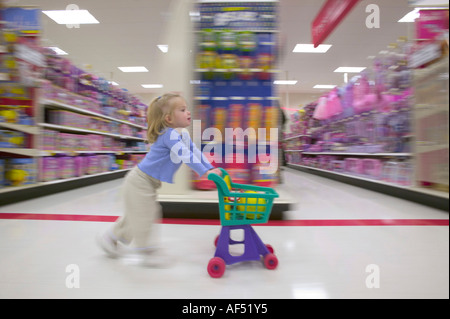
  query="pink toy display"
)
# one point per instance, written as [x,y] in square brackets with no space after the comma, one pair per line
[431,24]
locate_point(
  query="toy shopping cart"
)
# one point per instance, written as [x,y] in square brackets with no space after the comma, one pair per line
[240,206]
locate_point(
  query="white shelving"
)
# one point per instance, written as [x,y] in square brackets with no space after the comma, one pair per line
[8,189]
[64,106]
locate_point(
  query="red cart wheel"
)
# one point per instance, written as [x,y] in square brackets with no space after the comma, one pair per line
[270,248]
[216,267]
[270,261]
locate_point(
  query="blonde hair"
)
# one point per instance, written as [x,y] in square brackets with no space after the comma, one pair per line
[157,111]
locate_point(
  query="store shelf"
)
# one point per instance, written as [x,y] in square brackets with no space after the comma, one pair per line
[426,197]
[29,129]
[360,154]
[82,130]
[54,152]
[21,151]
[68,107]
[296,136]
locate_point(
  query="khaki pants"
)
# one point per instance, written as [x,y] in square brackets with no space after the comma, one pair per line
[141,210]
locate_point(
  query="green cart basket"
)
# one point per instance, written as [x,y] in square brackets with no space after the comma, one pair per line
[242,204]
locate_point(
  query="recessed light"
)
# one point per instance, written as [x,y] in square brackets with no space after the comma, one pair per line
[163,47]
[58,51]
[152,86]
[285,82]
[324,86]
[71,16]
[410,16]
[309,48]
[345,69]
[133,68]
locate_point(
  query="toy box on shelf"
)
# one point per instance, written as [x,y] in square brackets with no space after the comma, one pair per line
[235,68]
[21,66]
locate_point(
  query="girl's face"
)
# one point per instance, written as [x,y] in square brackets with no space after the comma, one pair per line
[181,116]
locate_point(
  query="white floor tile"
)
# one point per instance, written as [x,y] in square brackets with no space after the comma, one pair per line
[314,262]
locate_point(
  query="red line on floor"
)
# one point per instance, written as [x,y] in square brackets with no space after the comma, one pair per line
[180,221]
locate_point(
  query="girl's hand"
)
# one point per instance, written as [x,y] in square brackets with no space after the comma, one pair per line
[215,171]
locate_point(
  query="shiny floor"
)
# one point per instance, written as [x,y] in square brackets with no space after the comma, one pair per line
[58,258]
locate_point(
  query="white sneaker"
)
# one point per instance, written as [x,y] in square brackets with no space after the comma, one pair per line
[108,244]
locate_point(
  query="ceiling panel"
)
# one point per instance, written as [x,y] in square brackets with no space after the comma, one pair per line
[129,32]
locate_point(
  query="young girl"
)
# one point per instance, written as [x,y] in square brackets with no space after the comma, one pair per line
[165,115]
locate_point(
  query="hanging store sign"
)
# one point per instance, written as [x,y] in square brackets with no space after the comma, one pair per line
[329,17]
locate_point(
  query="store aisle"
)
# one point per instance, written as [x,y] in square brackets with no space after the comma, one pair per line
[339,253]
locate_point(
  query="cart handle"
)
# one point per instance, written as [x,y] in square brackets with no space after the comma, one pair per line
[220,183]
[219,180]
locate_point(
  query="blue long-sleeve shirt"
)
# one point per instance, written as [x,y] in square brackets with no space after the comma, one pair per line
[170,150]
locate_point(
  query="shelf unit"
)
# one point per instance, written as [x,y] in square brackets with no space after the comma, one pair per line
[37,151]
[426,148]
[431,120]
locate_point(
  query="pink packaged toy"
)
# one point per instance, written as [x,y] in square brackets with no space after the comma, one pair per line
[389,172]
[364,97]
[49,168]
[337,166]
[431,24]
[371,168]
[353,166]
[79,166]
[67,166]
[334,106]
[92,164]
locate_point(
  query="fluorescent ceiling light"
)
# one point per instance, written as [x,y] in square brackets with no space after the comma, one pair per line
[345,69]
[309,48]
[410,16]
[152,86]
[133,68]
[71,16]
[285,82]
[58,51]
[324,86]
[163,47]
